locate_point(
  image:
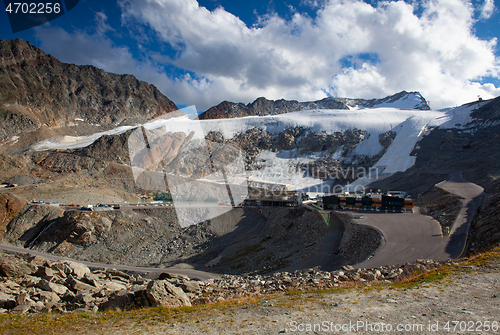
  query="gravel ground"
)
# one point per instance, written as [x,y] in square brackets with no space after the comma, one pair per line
[471,299]
[466,301]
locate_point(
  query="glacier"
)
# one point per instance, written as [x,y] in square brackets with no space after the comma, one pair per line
[410,125]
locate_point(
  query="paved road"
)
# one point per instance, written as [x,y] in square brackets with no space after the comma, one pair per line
[408,237]
[472,198]
[193,274]
[126,207]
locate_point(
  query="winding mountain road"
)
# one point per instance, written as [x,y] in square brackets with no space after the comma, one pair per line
[408,237]
[472,195]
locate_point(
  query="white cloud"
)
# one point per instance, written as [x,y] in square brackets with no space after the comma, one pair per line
[487,9]
[85,49]
[102,25]
[434,52]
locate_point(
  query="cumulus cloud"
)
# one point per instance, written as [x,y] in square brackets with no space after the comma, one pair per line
[432,50]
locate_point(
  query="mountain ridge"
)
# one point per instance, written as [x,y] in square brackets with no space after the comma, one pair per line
[262,106]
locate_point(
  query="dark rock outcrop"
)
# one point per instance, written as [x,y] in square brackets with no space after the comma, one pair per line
[30,222]
[490,111]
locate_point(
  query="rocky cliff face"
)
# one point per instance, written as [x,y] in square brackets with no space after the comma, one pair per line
[37,90]
[262,106]
[10,206]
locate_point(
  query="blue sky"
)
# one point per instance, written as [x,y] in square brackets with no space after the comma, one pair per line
[203,52]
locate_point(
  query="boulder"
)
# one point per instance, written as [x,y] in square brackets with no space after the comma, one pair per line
[9,287]
[163,293]
[7,301]
[68,296]
[90,308]
[190,286]
[166,275]
[368,276]
[92,279]
[117,273]
[23,298]
[46,296]
[29,306]
[58,272]
[392,275]
[121,300]
[77,285]
[38,261]
[84,297]
[52,287]
[112,286]
[78,270]
[29,281]
[11,266]
[45,272]
[141,298]
[52,306]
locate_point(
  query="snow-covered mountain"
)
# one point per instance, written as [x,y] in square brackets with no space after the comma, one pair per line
[263,107]
[315,149]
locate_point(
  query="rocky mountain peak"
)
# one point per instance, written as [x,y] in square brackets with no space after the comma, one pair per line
[402,100]
[38,91]
[17,51]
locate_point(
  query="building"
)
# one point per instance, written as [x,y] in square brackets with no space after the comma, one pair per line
[265,197]
[373,202]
